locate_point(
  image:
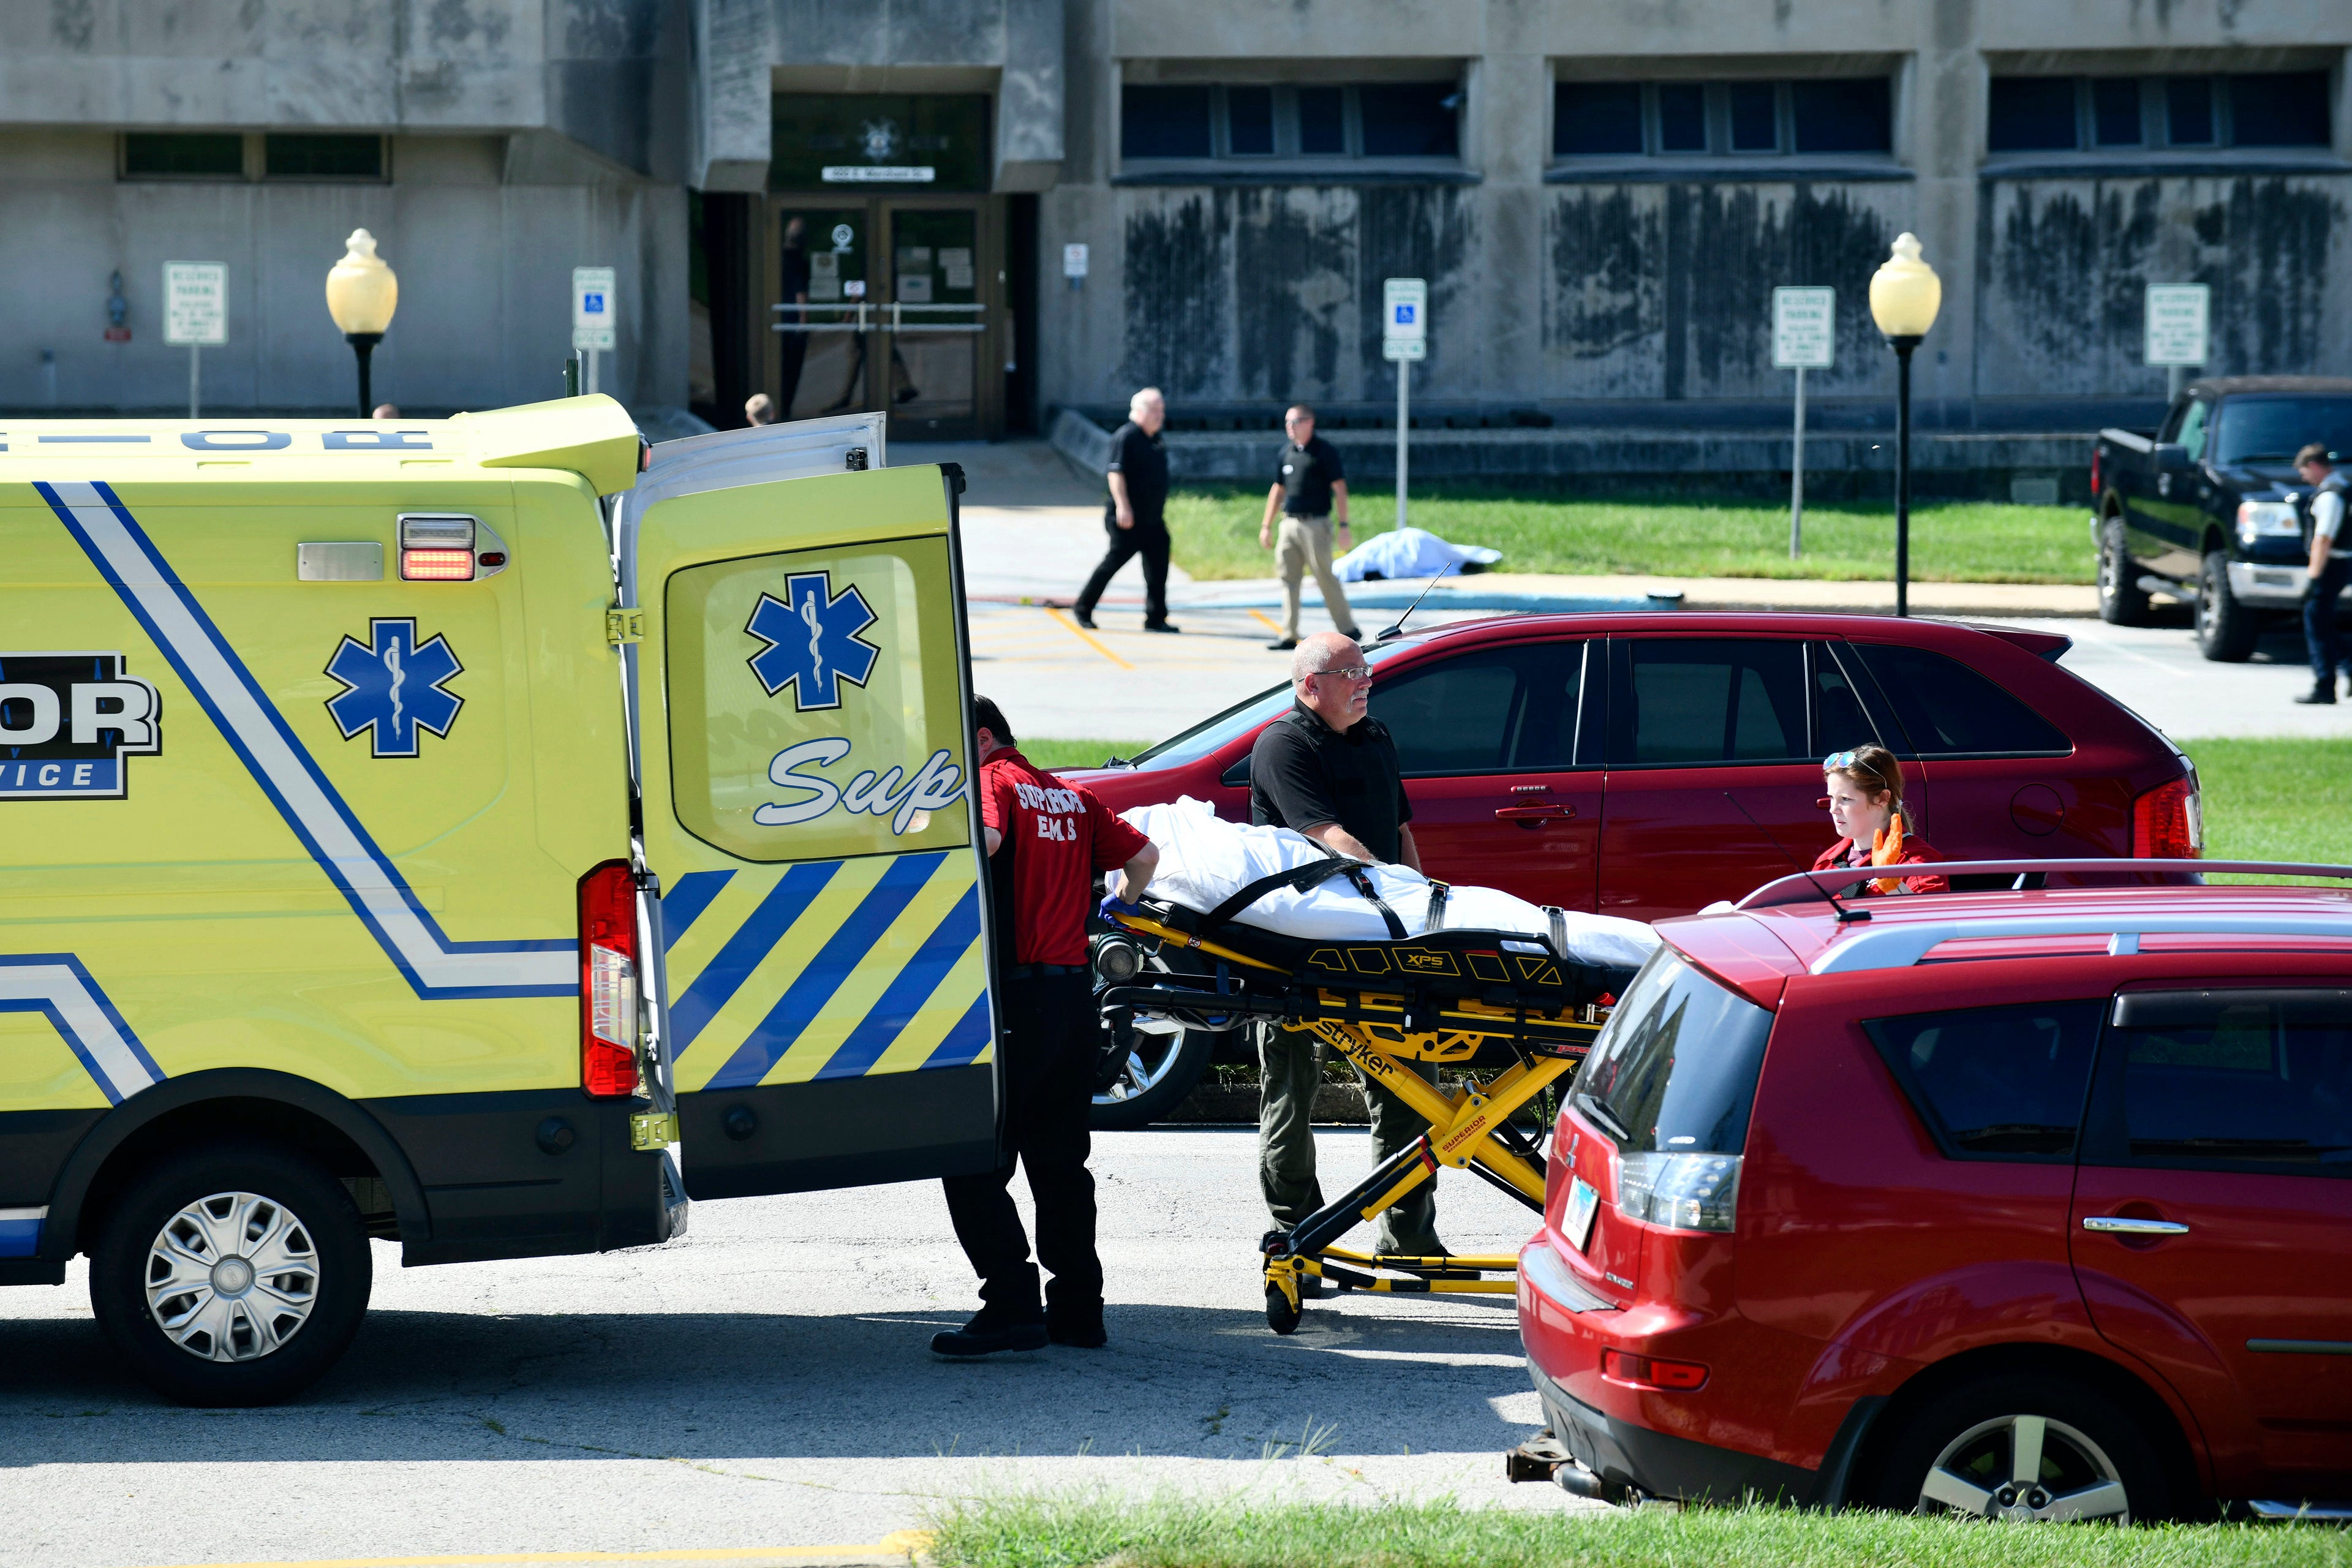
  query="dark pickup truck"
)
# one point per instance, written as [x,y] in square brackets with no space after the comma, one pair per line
[2208,508]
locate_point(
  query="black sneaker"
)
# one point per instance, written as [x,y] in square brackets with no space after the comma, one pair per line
[1083,618]
[1284,646]
[986,1336]
[2319,696]
[1168,627]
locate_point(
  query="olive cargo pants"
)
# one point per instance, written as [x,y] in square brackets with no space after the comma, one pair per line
[1290,1064]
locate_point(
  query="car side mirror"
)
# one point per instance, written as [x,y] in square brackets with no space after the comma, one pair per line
[1237,776]
[2172,457]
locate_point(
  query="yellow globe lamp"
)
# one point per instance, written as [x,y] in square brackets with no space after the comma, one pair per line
[361,294]
[1905,295]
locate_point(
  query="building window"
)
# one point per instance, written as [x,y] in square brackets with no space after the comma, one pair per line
[184,155]
[1688,118]
[2102,114]
[322,157]
[1375,119]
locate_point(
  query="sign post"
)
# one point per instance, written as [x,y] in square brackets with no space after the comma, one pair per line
[1804,337]
[2178,319]
[592,314]
[1404,338]
[195,312]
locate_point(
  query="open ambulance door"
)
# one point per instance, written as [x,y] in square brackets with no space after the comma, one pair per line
[799,701]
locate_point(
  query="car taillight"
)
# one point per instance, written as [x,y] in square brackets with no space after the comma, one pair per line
[1680,1192]
[608,981]
[2094,471]
[1651,1371]
[2168,822]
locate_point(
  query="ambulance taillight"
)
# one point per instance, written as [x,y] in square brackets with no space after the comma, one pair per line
[608,981]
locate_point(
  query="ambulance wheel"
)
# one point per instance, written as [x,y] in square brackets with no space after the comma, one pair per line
[231,1273]
[1280,1315]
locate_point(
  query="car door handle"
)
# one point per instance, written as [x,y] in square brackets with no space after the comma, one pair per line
[1531,814]
[2124,1224]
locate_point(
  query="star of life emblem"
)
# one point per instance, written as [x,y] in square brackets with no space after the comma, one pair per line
[813,640]
[393,687]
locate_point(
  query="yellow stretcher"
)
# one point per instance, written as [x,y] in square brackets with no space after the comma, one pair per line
[1448,997]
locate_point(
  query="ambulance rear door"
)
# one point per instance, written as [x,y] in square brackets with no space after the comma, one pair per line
[801,692]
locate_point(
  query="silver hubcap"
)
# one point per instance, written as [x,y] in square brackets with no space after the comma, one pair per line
[2024,1468]
[1147,1065]
[232,1276]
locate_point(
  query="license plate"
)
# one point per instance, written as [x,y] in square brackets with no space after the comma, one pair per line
[1583,1203]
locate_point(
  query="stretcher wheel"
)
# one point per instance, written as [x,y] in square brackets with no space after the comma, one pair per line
[1280,1315]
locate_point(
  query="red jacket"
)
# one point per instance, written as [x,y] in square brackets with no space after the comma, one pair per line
[1916,850]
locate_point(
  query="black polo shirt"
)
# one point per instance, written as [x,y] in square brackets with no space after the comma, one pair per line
[1143,460]
[1303,772]
[1308,474]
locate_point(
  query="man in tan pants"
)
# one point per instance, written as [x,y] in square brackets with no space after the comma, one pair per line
[1309,485]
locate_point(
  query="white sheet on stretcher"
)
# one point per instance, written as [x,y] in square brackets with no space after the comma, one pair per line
[1204,861]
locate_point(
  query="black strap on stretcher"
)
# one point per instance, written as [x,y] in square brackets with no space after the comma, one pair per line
[1299,878]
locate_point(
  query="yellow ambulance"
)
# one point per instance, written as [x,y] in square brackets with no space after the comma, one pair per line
[478,833]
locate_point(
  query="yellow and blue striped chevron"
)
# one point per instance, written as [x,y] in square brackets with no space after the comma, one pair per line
[826,969]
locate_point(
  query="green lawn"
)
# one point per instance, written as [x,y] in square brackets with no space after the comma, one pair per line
[2274,800]
[1052,754]
[1215,536]
[1175,1532]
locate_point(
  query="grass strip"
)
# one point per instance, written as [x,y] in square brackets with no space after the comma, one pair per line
[2274,800]
[1179,1533]
[1058,754]
[1214,535]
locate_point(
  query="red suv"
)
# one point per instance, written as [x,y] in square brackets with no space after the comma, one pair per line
[2023,1204]
[1647,766]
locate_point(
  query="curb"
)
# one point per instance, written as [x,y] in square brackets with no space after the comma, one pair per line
[895,1550]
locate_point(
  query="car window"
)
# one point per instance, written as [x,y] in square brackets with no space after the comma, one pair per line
[1996,1083]
[2226,1079]
[1496,710]
[2273,429]
[1950,711]
[1839,722]
[1212,733]
[1675,1067]
[1703,701]
[2192,429]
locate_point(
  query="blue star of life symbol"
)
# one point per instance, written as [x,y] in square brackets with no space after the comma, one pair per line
[812,641]
[393,687]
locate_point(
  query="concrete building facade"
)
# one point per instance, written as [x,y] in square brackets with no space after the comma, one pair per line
[975,212]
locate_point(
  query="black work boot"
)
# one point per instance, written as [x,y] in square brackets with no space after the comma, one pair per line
[989,1332]
[2319,696]
[1081,1327]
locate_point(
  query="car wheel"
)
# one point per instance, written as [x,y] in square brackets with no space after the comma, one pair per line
[2225,628]
[2121,602]
[2020,1447]
[232,1274]
[1149,1079]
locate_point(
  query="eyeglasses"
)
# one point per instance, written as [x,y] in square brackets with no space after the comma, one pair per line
[1346,672]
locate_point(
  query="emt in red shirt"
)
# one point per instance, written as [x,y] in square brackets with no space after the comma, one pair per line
[1865,805]
[1046,842]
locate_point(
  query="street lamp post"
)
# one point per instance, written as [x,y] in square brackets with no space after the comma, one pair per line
[1905,294]
[361,294]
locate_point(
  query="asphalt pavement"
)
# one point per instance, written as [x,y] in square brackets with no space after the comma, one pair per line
[765,1381]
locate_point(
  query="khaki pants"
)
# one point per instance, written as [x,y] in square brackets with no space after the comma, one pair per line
[1303,546]
[1290,1062]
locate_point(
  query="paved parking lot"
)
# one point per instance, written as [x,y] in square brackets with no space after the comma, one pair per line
[765,1381]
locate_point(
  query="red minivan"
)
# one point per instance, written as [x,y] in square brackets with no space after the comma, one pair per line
[1650,765]
[2025,1204]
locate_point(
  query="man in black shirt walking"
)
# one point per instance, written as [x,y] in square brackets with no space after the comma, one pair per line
[1308,483]
[1133,517]
[1329,770]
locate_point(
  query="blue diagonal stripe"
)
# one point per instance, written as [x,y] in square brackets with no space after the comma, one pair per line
[967,1039]
[687,899]
[814,986]
[741,954]
[905,995]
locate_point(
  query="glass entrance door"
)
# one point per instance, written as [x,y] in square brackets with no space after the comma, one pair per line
[823,317]
[938,322]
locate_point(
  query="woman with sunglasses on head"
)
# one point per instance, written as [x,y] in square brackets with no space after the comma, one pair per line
[1865,805]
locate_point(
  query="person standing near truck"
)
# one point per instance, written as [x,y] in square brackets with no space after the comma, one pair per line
[1045,841]
[2331,568]
[1309,483]
[1136,514]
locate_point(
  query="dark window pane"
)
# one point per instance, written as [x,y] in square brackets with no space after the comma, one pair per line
[1849,116]
[2189,110]
[1163,123]
[1839,723]
[1754,126]
[2273,428]
[1590,117]
[203,153]
[2032,114]
[1323,120]
[1997,1082]
[944,133]
[324,157]
[2115,111]
[1682,117]
[1676,1066]
[1715,699]
[1948,710]
[1476,714]
[2288,109]
[2261,1079]
[1249,119]
[1411,120]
